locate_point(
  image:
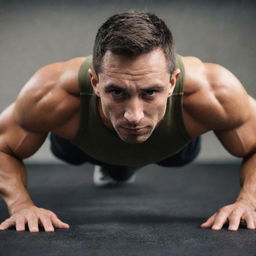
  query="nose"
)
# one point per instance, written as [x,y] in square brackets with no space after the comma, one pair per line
[134,112]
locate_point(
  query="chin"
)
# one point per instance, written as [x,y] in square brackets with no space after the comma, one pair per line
[134,139]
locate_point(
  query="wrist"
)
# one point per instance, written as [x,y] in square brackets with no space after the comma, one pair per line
[17,206]
[18,200]
[247,197]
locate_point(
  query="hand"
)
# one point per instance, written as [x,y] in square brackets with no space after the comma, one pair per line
[236,213]
[34,217]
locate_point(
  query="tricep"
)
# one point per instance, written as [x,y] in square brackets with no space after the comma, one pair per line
[15,140]
[241,141]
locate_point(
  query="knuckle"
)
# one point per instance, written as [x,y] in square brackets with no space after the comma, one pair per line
[32,216]
[52,214]
[42,215]
[45,211]
[13,217]
[232,218]
[237,212]
[248,216]
[33,220]
[20,218]
[223,209]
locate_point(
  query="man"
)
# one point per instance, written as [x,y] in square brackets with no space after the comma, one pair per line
[138,103]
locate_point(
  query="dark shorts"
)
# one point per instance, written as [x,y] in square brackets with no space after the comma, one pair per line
[68,152]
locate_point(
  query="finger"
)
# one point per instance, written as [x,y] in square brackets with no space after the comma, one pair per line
[47,224]
[220,220]
[250,221]
[58,223]
[20,223]
[7,224]
[234,220]
[33,223]
[209,222]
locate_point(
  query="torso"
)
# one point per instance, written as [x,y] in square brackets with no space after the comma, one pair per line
[194,128]
[198,93]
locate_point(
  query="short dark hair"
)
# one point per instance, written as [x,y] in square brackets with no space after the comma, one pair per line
[131,34]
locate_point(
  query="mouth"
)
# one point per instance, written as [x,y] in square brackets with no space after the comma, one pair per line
[135,131]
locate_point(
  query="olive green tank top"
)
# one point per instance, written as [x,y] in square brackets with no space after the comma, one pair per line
[101,143]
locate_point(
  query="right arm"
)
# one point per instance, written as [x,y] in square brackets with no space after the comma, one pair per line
[16,144]
[42,106]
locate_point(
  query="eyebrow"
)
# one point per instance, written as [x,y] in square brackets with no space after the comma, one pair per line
[120,87]
[113,86]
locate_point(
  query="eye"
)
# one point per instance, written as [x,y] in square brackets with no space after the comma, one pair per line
[117,93]
[149,93]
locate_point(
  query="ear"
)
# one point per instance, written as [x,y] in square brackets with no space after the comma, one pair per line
[94,81]
[173,80]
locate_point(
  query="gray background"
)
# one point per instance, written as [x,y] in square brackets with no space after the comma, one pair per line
[34,33]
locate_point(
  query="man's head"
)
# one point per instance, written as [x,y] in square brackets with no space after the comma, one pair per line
[132,34]
[134,73]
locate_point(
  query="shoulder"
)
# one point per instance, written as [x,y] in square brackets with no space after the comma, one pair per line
[50,96]
[213,95]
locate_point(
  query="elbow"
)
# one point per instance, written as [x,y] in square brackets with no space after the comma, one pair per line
[242,151]
[249,155]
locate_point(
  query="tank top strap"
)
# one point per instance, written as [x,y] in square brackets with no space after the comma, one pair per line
[84,78]
[178,90]
[177,99]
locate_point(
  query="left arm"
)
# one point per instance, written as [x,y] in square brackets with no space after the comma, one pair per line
[237,133]
[244,208]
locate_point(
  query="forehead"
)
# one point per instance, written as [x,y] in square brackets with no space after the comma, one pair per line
[152,65]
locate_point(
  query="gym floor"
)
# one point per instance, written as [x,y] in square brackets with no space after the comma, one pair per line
[160,214]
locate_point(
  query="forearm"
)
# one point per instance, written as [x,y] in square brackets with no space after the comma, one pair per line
[13,180]
[248,180]
[21,208]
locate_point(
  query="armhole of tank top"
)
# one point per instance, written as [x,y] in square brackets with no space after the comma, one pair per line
[83,80]
[178,94]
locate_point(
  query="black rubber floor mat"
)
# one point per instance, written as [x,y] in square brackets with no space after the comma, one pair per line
[160,214]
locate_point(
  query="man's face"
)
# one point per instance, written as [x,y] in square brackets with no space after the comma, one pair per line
[133,93]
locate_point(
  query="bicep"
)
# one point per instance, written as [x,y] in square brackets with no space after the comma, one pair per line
[14,139]
[241,140]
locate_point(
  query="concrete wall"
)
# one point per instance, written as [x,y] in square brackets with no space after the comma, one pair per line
[35,33]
